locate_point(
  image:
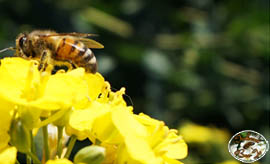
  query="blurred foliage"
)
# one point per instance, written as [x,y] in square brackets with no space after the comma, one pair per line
[181,60]
[207,143]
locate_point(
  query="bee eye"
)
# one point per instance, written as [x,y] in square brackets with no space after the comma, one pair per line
[22,41]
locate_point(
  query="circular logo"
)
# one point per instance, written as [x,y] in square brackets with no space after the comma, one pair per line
[248,146]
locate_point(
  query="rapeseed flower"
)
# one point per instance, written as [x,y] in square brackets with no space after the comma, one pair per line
[230,162]
[8,155]
[85,107]
[203,134]
[35,93]
[134,138]
[234,162]
[59,161]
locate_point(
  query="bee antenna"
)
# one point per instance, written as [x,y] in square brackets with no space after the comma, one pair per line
[6,49]
[129,98]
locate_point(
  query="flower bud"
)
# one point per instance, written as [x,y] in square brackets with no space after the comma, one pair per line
[20,136]
[90,155]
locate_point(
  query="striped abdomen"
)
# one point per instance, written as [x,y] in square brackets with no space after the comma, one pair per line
[76,52]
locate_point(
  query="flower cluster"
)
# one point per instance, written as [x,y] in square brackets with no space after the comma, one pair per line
[83,106]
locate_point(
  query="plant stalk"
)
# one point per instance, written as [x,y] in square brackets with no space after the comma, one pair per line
[46,142]
[70,146]
[28,159]
[34,158]
[33,148]
[60,140]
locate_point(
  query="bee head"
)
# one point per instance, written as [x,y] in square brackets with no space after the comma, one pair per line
[22,45]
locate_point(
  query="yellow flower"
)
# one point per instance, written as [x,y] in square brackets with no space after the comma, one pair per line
[149,141]
[5,121]
[4,127]
[85,105]
[230,162]
[201,134]
[32,92]
[134,138]
[111,153]
[234,162]
[59,161]
[81,121]
[22,84]
[95,121]
[8,155]
[4,139]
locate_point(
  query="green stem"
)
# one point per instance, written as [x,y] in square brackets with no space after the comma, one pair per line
[51,119]
[28,159]
[60,142]
[34,158]
[46,142]
[33,148]
[17,162]
[70,146]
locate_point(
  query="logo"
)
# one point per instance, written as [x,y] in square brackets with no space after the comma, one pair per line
[248,146]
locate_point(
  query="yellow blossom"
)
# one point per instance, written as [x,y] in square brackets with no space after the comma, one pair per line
[163,138]
[8,155]
[5,121]
[33,92]
[111,153]
[95,120]
[4,139]
[134,138]
[95,83]
[85,106]
[159,146]
[234,162]
[22,84]
[81,121]
[230,162]
[59,161]
[201,134]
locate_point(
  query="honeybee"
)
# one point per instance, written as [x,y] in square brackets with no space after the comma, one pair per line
[49,47]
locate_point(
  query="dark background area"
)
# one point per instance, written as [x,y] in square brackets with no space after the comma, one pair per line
[185,62]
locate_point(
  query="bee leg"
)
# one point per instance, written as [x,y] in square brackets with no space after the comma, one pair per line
[69,64]
[44,60]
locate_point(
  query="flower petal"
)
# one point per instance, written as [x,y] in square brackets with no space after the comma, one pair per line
[59,161]
[8,155]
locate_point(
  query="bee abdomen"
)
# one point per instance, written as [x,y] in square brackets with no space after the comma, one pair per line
[76,51]
[88,60]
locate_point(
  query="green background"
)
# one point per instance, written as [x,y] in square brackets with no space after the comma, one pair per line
[204,61]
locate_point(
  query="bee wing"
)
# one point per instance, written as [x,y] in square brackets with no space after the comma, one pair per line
[80,37]
[90,43]
[74,34]
[79,34]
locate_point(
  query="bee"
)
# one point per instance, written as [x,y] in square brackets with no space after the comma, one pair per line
[48,47]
